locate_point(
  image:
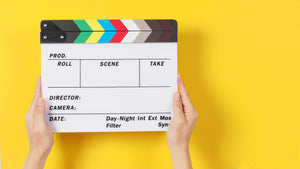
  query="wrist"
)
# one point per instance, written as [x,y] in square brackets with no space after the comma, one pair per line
[182,149]
[181,157]
[37,159]
[38,153]
[175,147]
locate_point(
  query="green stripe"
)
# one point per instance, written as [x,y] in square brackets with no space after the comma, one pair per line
[82,25]
[83,36]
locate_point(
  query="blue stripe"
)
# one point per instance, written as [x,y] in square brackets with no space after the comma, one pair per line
[106,25]
[106,37]
[109,31]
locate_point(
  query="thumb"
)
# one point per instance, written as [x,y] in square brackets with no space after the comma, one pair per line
[177,107]
[40,109]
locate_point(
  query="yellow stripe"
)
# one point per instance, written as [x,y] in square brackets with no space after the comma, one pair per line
[94,38]
[94,24]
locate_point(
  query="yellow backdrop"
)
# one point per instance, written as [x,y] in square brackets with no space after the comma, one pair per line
[240,60]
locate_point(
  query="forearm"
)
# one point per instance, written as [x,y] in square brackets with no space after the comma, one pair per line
[181,158]
[34,162]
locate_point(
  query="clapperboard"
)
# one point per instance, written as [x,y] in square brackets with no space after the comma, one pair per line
[108,75]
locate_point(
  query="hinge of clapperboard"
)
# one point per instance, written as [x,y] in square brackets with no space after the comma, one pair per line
[51,33]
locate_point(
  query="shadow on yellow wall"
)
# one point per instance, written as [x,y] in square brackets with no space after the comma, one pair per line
[210,126]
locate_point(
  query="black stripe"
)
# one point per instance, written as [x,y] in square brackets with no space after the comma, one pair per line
[71,36]
[67,25]
[156,30]
[174,38]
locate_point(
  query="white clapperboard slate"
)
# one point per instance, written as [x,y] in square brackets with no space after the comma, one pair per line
[108,75]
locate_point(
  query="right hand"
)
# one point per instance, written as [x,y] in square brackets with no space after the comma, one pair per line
[185,116]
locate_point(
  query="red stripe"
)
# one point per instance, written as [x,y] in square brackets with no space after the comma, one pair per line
[121,31]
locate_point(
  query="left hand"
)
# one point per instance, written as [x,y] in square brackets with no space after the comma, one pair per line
[39,133]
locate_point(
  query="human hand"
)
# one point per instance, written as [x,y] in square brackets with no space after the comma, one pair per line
[181,127]
[39,133]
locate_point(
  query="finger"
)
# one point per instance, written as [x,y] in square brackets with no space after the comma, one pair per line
[187,103]
[177,107]
[37,94]
[39,110]
[38,90]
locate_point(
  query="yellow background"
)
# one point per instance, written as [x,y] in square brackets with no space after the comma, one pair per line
[240,60]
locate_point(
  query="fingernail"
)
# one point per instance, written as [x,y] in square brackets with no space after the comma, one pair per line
[38,79]
[40,101]
[179,79]
[177,96]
